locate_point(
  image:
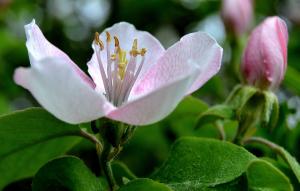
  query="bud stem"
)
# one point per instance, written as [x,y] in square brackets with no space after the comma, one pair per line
[262,141]
[236,52]
[276,148]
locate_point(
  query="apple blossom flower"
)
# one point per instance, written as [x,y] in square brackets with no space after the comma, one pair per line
[265,58]
[133,78]
[237,15]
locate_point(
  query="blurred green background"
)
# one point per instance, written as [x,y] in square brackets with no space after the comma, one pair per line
[71,24]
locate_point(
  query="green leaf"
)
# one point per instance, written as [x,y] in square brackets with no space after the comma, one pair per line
[121,171]
[189,105]
[144,184]
[263,176]
[218,112]
[291,161]
[29,139]
[4,105]
[187,112]
[285,169]
[235,185]
[198,163]
[66,173]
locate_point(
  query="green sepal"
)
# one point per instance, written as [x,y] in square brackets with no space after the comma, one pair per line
[253,107]
[271,110]
[240,95]
[218,112]
[112,132]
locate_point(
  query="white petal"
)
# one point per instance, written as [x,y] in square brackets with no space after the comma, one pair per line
[60,90]
[195,49]
[156,105]
[40,48]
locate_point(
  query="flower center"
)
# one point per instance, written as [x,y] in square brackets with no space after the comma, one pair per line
[120,74]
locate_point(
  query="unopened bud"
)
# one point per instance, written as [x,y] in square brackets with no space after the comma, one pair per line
[237,15]
[265,58]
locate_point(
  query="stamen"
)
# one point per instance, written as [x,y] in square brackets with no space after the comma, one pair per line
[133,80]
[134,45]
[109,60]
[127,79]
[115,75]
[134,52]
[143,51]
[99,47]
[120,75]
[108,38]
[117,43]
[98,41]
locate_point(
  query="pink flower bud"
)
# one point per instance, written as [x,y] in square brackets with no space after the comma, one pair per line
[237,15]
[265,58]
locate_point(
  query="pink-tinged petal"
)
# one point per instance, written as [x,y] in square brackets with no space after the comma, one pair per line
[182,69]
[94,71]
[207,54]
[126,34]
[265,58]
[60,90]
[156,105]
[40,48]
[197,49]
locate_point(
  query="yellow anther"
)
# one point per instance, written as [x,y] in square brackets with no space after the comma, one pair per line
[117,43]
[113,57]
[108,38]
[134,52]
[143,51]
[98,41]
[134,45]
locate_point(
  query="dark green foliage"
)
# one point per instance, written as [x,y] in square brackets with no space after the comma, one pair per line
[28,140]
[66,173]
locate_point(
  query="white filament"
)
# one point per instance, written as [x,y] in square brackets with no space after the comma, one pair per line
[117,90]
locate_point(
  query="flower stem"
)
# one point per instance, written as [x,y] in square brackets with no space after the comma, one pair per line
[113,137]
[220,128]
[105,163]
[109,175]
[92,138]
